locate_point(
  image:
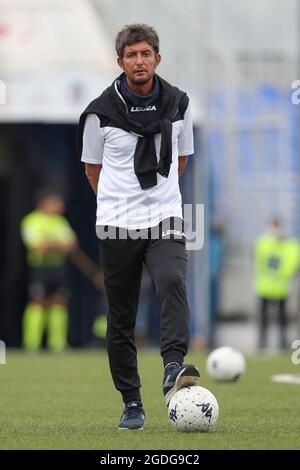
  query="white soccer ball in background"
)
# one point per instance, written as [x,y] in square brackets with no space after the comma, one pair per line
[225,364]
[193,409]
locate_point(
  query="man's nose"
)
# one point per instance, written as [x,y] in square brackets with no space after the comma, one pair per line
[139,59]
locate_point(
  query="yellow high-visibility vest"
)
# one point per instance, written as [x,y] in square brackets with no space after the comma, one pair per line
[38,228]
[276,263]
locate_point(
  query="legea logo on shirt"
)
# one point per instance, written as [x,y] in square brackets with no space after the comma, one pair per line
[137,109]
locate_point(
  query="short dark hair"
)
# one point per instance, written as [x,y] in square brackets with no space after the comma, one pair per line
[132,33]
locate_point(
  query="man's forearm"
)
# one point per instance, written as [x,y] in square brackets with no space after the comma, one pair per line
[182,161]
[94,183]
[93,174]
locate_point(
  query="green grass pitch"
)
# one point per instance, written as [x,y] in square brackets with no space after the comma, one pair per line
[68,402]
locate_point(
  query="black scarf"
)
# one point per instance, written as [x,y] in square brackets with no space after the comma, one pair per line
[112,111]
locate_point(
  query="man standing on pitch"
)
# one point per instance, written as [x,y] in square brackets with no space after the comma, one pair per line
[134,139]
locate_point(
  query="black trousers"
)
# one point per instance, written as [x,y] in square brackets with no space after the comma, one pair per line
[123,260]
[265,305]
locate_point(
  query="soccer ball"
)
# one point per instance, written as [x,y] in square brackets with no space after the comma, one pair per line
[225,364]
[193,409]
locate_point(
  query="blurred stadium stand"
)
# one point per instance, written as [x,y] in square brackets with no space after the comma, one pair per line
[237,61]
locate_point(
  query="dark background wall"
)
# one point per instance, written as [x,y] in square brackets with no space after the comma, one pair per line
[33,156]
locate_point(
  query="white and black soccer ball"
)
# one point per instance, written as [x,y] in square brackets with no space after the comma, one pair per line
[193,409]
[225,364]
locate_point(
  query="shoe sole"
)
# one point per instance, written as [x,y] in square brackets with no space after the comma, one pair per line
[187,377]
[130,429]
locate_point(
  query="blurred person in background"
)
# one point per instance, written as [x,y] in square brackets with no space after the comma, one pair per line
[48,239]
[277,259]
[135,140]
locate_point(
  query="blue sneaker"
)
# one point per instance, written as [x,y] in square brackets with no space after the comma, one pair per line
[133,416]
[177,377]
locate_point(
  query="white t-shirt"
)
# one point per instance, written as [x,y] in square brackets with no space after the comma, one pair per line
[121,202]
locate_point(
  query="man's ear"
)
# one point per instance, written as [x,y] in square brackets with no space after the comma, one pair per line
[120,63]
[158,59]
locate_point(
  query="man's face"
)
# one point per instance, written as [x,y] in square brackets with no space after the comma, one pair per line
[139,62]
[53,204]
